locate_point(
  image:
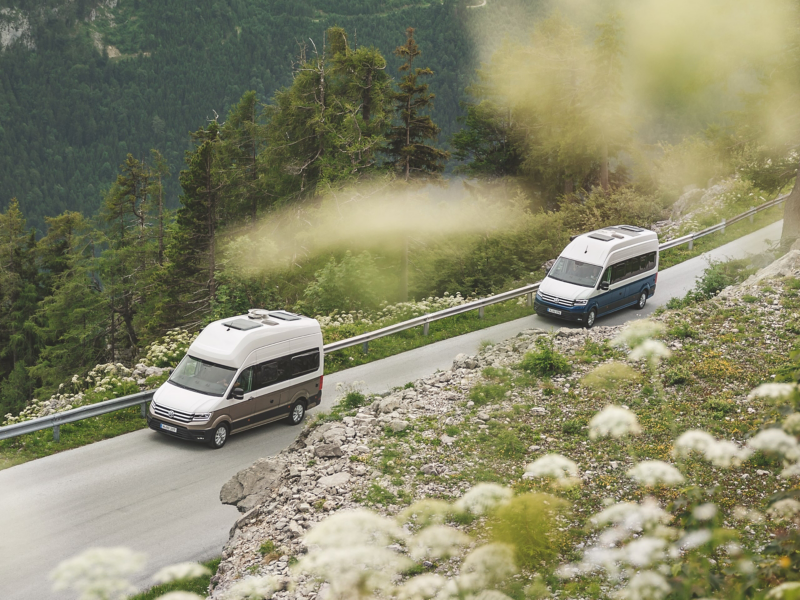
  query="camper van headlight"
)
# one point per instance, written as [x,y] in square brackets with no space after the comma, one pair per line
[201,417]
[581,302]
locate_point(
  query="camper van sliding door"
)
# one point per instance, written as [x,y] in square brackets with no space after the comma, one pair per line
[268,404]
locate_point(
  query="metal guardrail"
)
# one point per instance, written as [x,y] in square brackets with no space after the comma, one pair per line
[108,406]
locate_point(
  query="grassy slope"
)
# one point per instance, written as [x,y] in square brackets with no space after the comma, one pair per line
[721,350]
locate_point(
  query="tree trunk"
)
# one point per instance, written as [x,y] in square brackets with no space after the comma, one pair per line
[404,271]
[568,187]
[604,168]
[212,226]
[791,214]
[160,221]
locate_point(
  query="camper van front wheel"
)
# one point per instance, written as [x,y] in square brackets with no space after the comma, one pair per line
[298,412]
[219,437]
[590,318]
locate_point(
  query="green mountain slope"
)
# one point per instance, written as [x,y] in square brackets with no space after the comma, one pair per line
[83,83]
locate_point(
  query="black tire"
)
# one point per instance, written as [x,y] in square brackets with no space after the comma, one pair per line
[591,318]
[297,412]
[642,301]
[219,436]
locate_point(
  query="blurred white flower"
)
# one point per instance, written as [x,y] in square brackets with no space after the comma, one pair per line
[705,512]
[483,497]
[99,573]
[791,471]
[694,539]
[633,517]
[643,552]
[725,454]
[637,332]
[426,512]
[792,424]
[655,472]
[487,565]
[613,421]
[694,440]
[646,585]
[186,570]
[351,527]
[773,391]
[650,349]
[554,466]
[790,589]
[489,595]
[421,587]
[784,509]
[180,596]
[252,588]
[775,441]
[437,541]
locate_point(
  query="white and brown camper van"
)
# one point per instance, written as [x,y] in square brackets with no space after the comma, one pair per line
[240,373]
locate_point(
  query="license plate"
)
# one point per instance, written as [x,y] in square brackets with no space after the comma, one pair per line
[169,428]
[554,311]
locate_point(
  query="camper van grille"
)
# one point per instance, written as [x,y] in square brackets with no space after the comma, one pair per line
[556,300]
[177,415]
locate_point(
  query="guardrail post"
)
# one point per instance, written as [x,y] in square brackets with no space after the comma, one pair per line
[365,347]
[723,225]
[752,216]
[529,303]
[144,410]
[691,244]
[425,328]
[480,312]
[56,433]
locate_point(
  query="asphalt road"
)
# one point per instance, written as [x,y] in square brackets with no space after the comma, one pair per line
[161,496]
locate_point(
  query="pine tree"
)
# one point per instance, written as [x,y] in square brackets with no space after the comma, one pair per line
[242,138]
[407,150]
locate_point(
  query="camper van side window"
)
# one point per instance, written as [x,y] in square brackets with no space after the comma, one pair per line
[619,271]
[270,372]
[307,362]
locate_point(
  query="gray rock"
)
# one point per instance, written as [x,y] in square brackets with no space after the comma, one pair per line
[261,476]
[430,469]
[328,451]
[483,416]
[398,425]
[446,439]
[334,480]
[389,404]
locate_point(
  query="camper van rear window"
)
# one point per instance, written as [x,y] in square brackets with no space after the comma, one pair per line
[242,324]
[284,316]
[601,236]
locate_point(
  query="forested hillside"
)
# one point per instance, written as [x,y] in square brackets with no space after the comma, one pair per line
[82,84]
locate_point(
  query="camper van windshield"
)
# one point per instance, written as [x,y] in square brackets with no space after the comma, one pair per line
[202,376]
[573,271]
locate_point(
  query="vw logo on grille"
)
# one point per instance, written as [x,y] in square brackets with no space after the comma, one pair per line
[171,413]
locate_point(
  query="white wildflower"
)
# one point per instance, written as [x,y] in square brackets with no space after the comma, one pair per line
[694,539]
[252,588]
[655,472]
[725,454]
[784,509]
[348,528]
[647,585]
[791,471]
[773,391]
[792,424]
[637,332]
[789,590]
[487,565]
[613,421]
[694,440]
[633,517]
[775,441]
[483,497]
[437,541]
[554,466]
[426,512]
[643,552]
[705,512]
[186,570]
[742,513]
[422,587]
[99,573]
[650,349]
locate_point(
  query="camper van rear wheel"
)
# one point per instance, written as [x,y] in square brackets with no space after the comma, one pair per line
[219,436]
[298,412]
[642,300]
[590,318]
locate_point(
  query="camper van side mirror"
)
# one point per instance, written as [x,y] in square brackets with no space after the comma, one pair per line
[237,394]
[603,285]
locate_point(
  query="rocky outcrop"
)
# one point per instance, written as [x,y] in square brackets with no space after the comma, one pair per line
[249,487]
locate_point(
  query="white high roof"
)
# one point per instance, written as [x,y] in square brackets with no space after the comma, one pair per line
[586,248]
[229,346]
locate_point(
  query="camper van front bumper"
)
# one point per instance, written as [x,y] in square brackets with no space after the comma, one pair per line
[195,435]
[546,309]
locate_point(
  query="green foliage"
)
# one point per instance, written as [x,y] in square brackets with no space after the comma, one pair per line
[678,375]
[528,523]
[267,547]
[610,375]
[717,276]
[572,426]
[683,330]
[198,586]
[545,361]
[599,209]
[352,284]
[353,399]
[487,393]
[379,495]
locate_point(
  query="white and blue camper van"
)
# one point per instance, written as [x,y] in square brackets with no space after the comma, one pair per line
[600,272]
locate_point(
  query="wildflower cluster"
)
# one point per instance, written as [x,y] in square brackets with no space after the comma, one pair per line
[169,350]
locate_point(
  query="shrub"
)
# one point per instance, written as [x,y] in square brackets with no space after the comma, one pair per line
[353,399]
[749,298]
[683,330]
[610,376]
[353,284]
[717,276]
[528,523]
[677,375]
[267,548]
[600,209]
[508,445]
[572,427]
[545,361]
[484,393]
